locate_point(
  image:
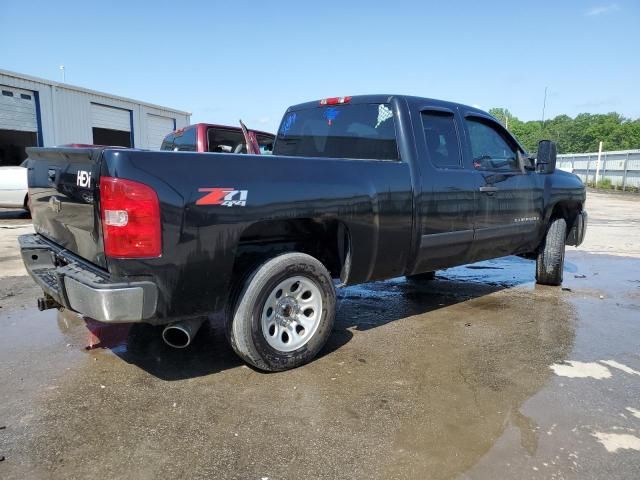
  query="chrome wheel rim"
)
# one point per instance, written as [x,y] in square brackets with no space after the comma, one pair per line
[291,314]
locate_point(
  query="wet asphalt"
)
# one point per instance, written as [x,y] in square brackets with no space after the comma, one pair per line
[466,376]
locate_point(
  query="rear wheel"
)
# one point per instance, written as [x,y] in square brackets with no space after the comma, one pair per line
[550,259]
[284,313]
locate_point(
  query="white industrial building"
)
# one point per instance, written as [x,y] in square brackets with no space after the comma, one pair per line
[37,112]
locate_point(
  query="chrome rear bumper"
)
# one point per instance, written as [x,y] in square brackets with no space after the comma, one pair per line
[80,287]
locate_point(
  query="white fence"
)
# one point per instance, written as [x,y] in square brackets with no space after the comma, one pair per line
[621,168]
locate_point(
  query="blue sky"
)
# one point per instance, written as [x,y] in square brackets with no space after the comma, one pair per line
[242,59]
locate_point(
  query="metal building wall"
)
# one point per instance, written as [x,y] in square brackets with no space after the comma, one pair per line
[65,111]
[621,168]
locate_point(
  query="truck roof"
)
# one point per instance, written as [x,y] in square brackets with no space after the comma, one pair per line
[386,98]
[226,127]
[413,102]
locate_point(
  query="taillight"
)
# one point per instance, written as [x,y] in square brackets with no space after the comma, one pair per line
[335,100]
[130,219]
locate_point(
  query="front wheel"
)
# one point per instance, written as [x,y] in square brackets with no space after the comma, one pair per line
[284,313]
[550,259]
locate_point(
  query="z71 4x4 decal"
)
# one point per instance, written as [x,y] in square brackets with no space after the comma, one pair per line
[227,197]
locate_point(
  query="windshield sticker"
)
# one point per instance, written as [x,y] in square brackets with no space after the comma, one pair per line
[384,114]
[331,114]
[288,123]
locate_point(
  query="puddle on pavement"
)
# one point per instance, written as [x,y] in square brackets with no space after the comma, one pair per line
[416,378]
[582,418]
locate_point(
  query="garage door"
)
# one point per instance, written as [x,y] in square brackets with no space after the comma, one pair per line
[157,128]
[18,124]
[110,117]
[111,126]
[17,110]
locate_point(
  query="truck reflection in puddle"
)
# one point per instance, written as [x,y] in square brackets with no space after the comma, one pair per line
[419,377]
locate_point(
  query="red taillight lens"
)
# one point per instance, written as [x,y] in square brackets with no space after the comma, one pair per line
[130,219]
[335,100]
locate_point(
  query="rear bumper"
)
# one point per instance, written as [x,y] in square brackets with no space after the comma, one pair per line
[83,288]
[578,230]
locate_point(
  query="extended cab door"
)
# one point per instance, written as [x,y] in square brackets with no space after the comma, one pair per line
[446,206]
[510,201]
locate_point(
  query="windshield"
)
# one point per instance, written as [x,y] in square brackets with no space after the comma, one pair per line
[360,131]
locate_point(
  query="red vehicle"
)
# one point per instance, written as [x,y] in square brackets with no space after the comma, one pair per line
[206,137]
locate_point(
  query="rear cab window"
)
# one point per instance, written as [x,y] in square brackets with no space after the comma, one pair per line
[225,140]
[180,141]
[353,131]
[185,140]
[222,140]
[167,143]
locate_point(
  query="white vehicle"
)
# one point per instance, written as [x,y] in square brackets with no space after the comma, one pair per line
[13,187]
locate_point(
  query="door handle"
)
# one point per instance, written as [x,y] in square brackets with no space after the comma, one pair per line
[488,189]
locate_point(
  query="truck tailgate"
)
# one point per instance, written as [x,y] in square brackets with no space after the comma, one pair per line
[62,190]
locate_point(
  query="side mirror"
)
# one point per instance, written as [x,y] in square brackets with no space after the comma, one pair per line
[526,162]
[546,157]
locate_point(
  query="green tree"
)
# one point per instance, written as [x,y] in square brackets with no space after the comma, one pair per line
[574,135]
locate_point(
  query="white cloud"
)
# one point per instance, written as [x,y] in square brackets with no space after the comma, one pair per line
[264,120]
[602,9]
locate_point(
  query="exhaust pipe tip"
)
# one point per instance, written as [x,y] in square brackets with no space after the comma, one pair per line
[176,337]
[42,304]
[181,334]
[46,302]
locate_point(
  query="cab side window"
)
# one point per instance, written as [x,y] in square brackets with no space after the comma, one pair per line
[490,148]
[441,136]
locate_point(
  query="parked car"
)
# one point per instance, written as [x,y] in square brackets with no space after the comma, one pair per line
[207,137]
[357,189]
[13,187]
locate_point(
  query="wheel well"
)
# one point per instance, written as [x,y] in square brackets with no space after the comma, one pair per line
[568,210]
[328,241]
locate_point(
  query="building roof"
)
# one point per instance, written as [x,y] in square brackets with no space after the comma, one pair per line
[87,90]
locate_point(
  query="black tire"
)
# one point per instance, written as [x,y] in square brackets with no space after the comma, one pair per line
[550,260]
[422,277]
[26,205]
[244,325]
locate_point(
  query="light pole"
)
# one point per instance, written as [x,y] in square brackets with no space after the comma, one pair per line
[544,105]
[63,73]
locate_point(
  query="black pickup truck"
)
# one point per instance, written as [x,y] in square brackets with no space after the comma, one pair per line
[357,189]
